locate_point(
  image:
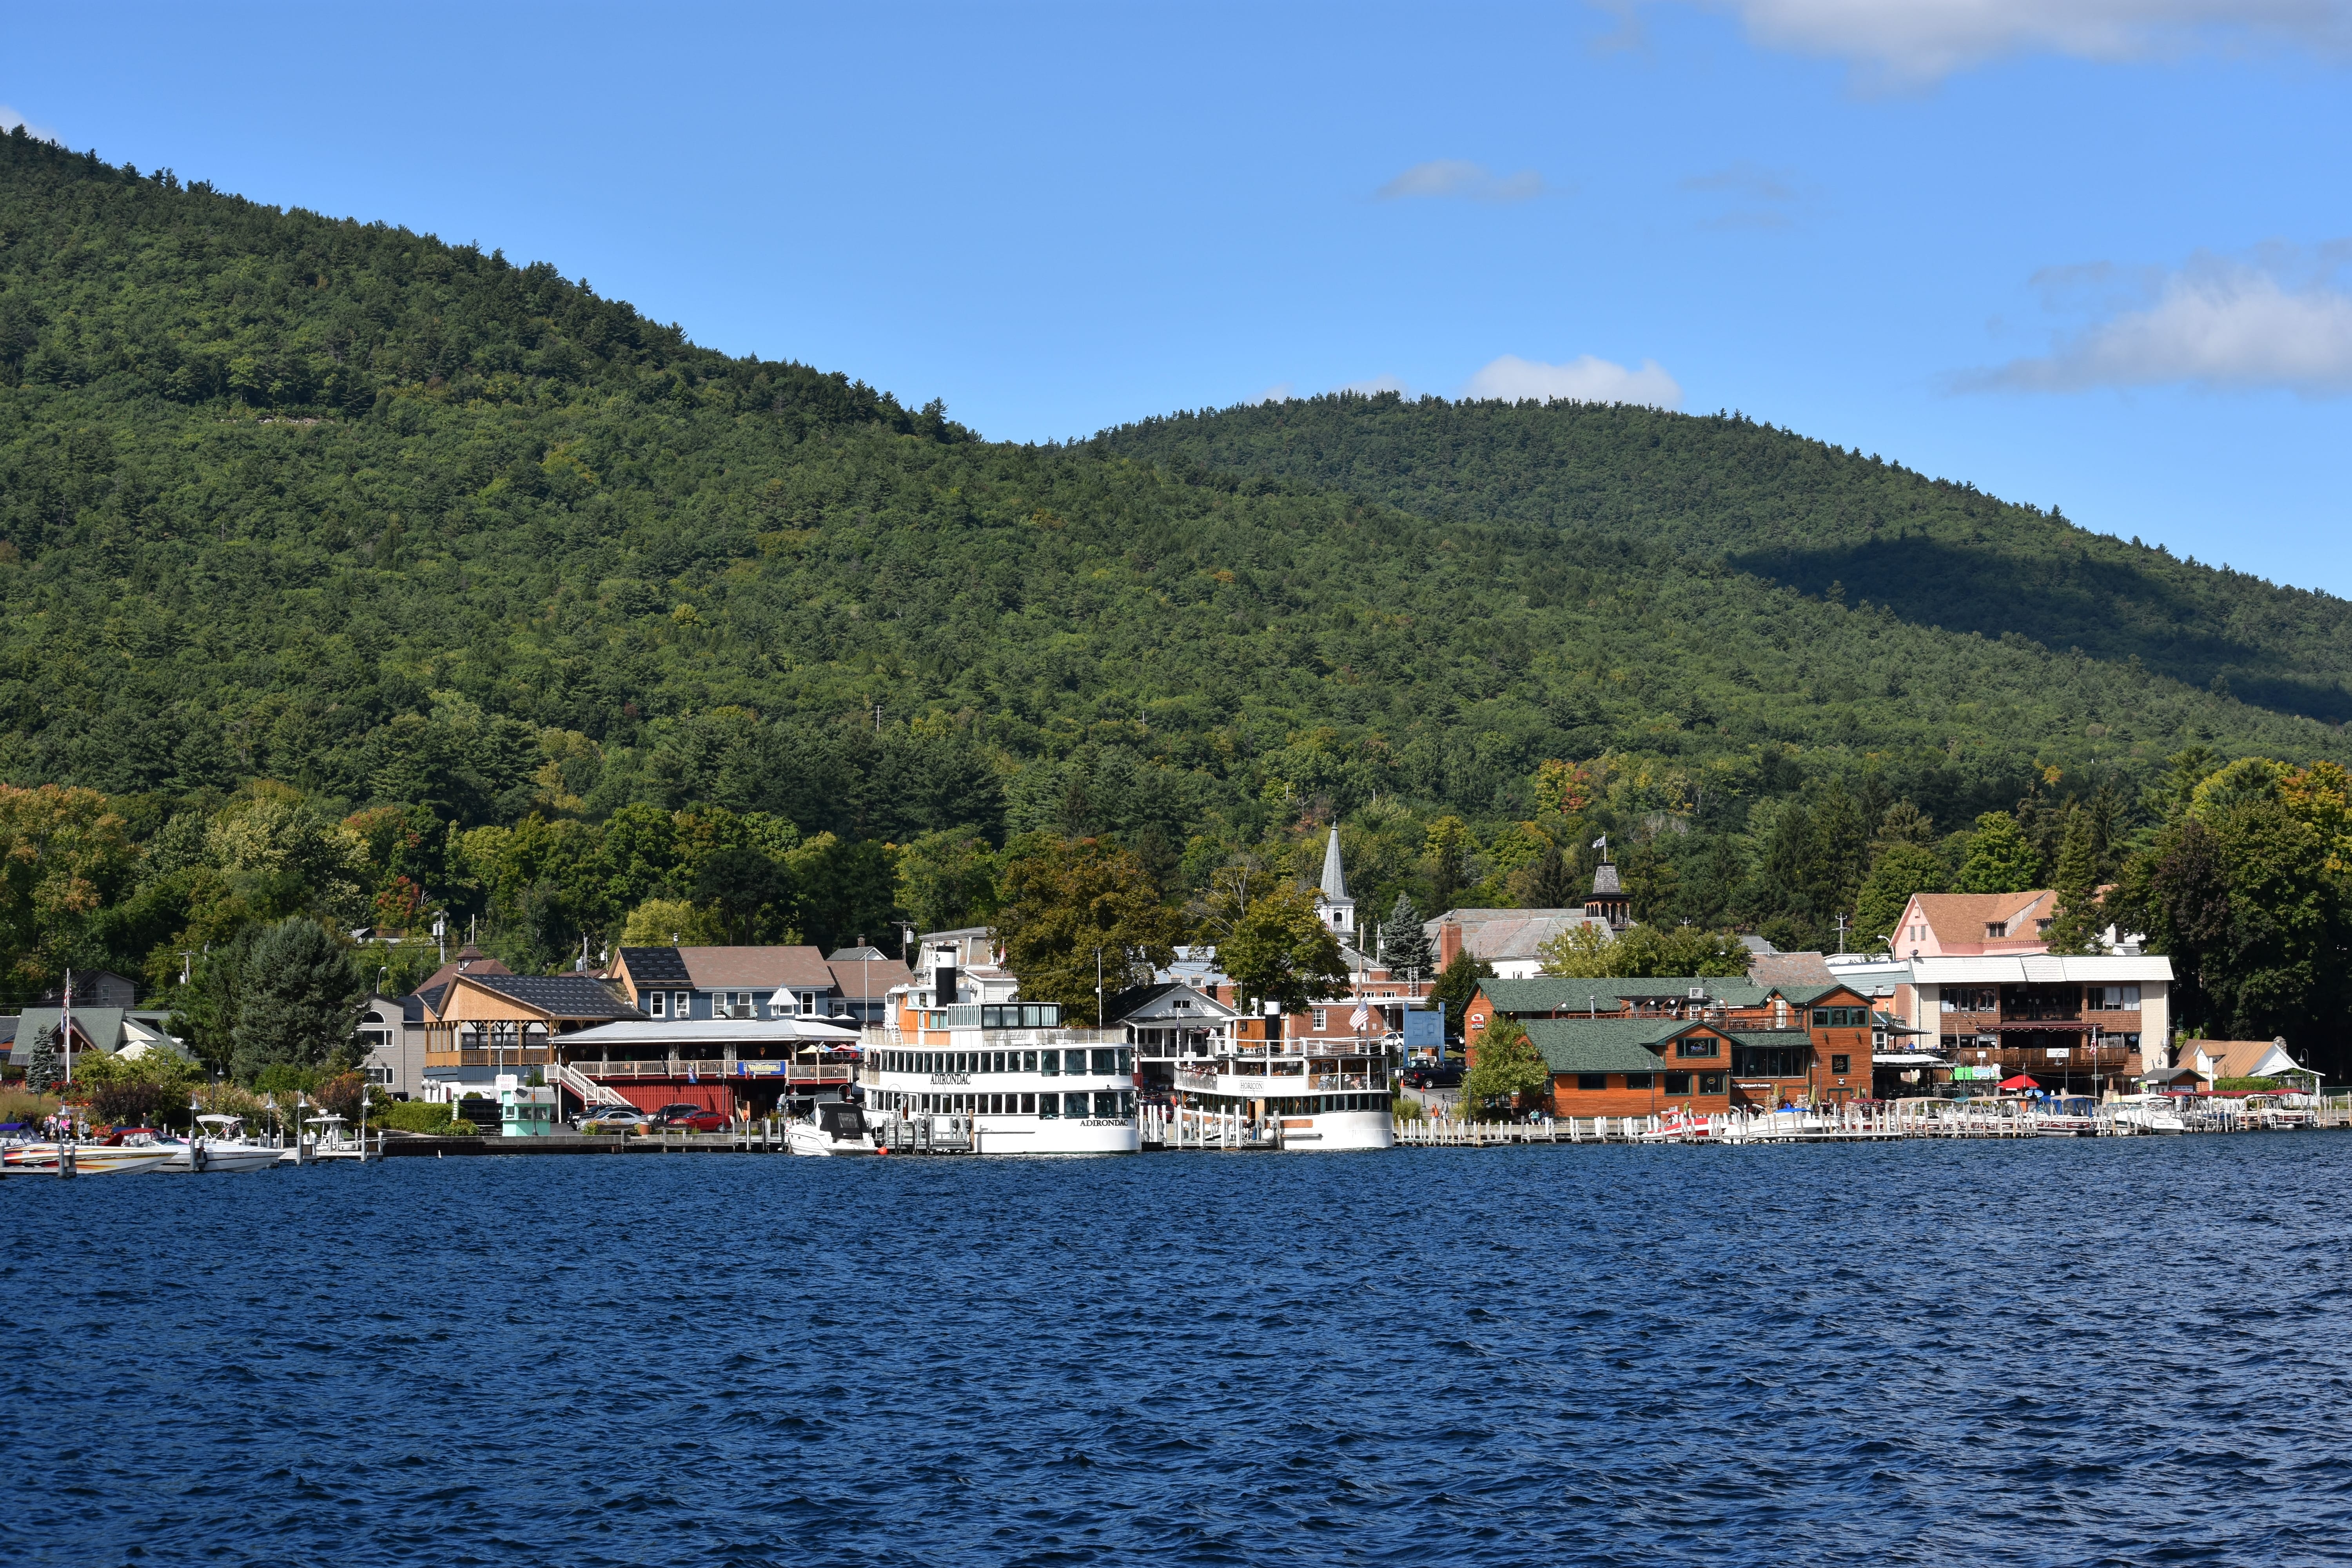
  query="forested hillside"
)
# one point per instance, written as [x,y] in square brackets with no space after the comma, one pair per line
[1727,492]
[358,574]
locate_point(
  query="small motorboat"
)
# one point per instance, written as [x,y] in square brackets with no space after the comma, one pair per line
[1678,1126]
[220,1146]
[831,1127]
[2146,1113]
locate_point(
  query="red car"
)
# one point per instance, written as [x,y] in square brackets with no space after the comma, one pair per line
[685,1118]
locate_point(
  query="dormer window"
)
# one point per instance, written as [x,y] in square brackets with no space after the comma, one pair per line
[1995,930]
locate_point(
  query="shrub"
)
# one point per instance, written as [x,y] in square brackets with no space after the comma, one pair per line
[417,1116]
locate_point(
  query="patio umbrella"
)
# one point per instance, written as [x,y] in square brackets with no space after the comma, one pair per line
[2019,1081]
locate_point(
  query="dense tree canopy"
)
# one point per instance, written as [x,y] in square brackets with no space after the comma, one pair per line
[349,574]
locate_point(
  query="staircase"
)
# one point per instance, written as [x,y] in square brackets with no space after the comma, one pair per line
[583,1089]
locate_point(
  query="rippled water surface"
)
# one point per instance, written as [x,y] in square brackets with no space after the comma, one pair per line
[2119,1351]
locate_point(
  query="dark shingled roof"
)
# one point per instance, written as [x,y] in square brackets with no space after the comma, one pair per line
[655,966]
[1603,1045]
[1806,995]
[559,995]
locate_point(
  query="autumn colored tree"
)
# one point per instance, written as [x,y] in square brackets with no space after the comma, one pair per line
[65,854]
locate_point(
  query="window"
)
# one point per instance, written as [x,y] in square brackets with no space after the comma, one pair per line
[1592,1080]
[1637,1080]
[1677,1083]
[1049,1105]
[1106,1062]
[742,1009]
[1126,1059]
[1322,1020]
[658,1004]
[1995,930]
[1840,1064]
[1052,1064]
[1073,1104]
[1695,1046]
[1710,1083]
[1028,1105]
[681,1004]
[808,1004]
[1106,1102]
[1028,1061]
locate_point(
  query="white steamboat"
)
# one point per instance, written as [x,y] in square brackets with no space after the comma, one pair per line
[997,1076]
[1306,1095]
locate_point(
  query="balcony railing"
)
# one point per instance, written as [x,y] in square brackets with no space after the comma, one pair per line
[797,1072]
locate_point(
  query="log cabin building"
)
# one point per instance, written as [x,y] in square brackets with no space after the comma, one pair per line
[1776,1045]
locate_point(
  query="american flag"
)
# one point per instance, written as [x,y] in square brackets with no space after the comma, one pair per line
[1362,1015]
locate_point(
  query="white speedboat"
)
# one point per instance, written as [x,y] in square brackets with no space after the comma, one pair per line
[830,1128]
[2147,1114]
[220,1146]
[133,1154]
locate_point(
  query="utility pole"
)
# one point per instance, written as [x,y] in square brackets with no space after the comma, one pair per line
[67,1030]
[1840,930]
[1099,989]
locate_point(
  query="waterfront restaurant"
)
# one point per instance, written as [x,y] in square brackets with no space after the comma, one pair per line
[2087,1023]
[481,1025]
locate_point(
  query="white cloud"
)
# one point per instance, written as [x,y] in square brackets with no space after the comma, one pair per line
[1584,379]
[1924,40]
[2278,319]
[1453,177]
[10,120]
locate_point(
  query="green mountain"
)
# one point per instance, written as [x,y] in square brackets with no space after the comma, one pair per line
[1727,493]
[400,524]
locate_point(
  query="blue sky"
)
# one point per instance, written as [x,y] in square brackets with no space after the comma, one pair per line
[2089,253]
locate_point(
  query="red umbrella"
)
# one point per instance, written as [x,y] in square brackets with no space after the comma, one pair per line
[2019,1081]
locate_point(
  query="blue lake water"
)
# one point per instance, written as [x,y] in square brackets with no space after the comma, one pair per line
[2119,1351]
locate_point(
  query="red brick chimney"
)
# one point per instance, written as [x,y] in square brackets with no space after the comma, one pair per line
[1449,942]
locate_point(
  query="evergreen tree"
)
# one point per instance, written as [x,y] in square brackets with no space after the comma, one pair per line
[1905,823]
[46,1069]
[2080,917]
[1999,858]
[1839,855]
[1553,886]
[1448,854]
[1404,947]
[302,995]
[1456,983]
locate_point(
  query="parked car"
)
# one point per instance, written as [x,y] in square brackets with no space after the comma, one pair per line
[1448,1076]
[684,1118]
[611,1120]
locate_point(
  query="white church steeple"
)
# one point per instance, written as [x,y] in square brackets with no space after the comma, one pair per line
[1337,910]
